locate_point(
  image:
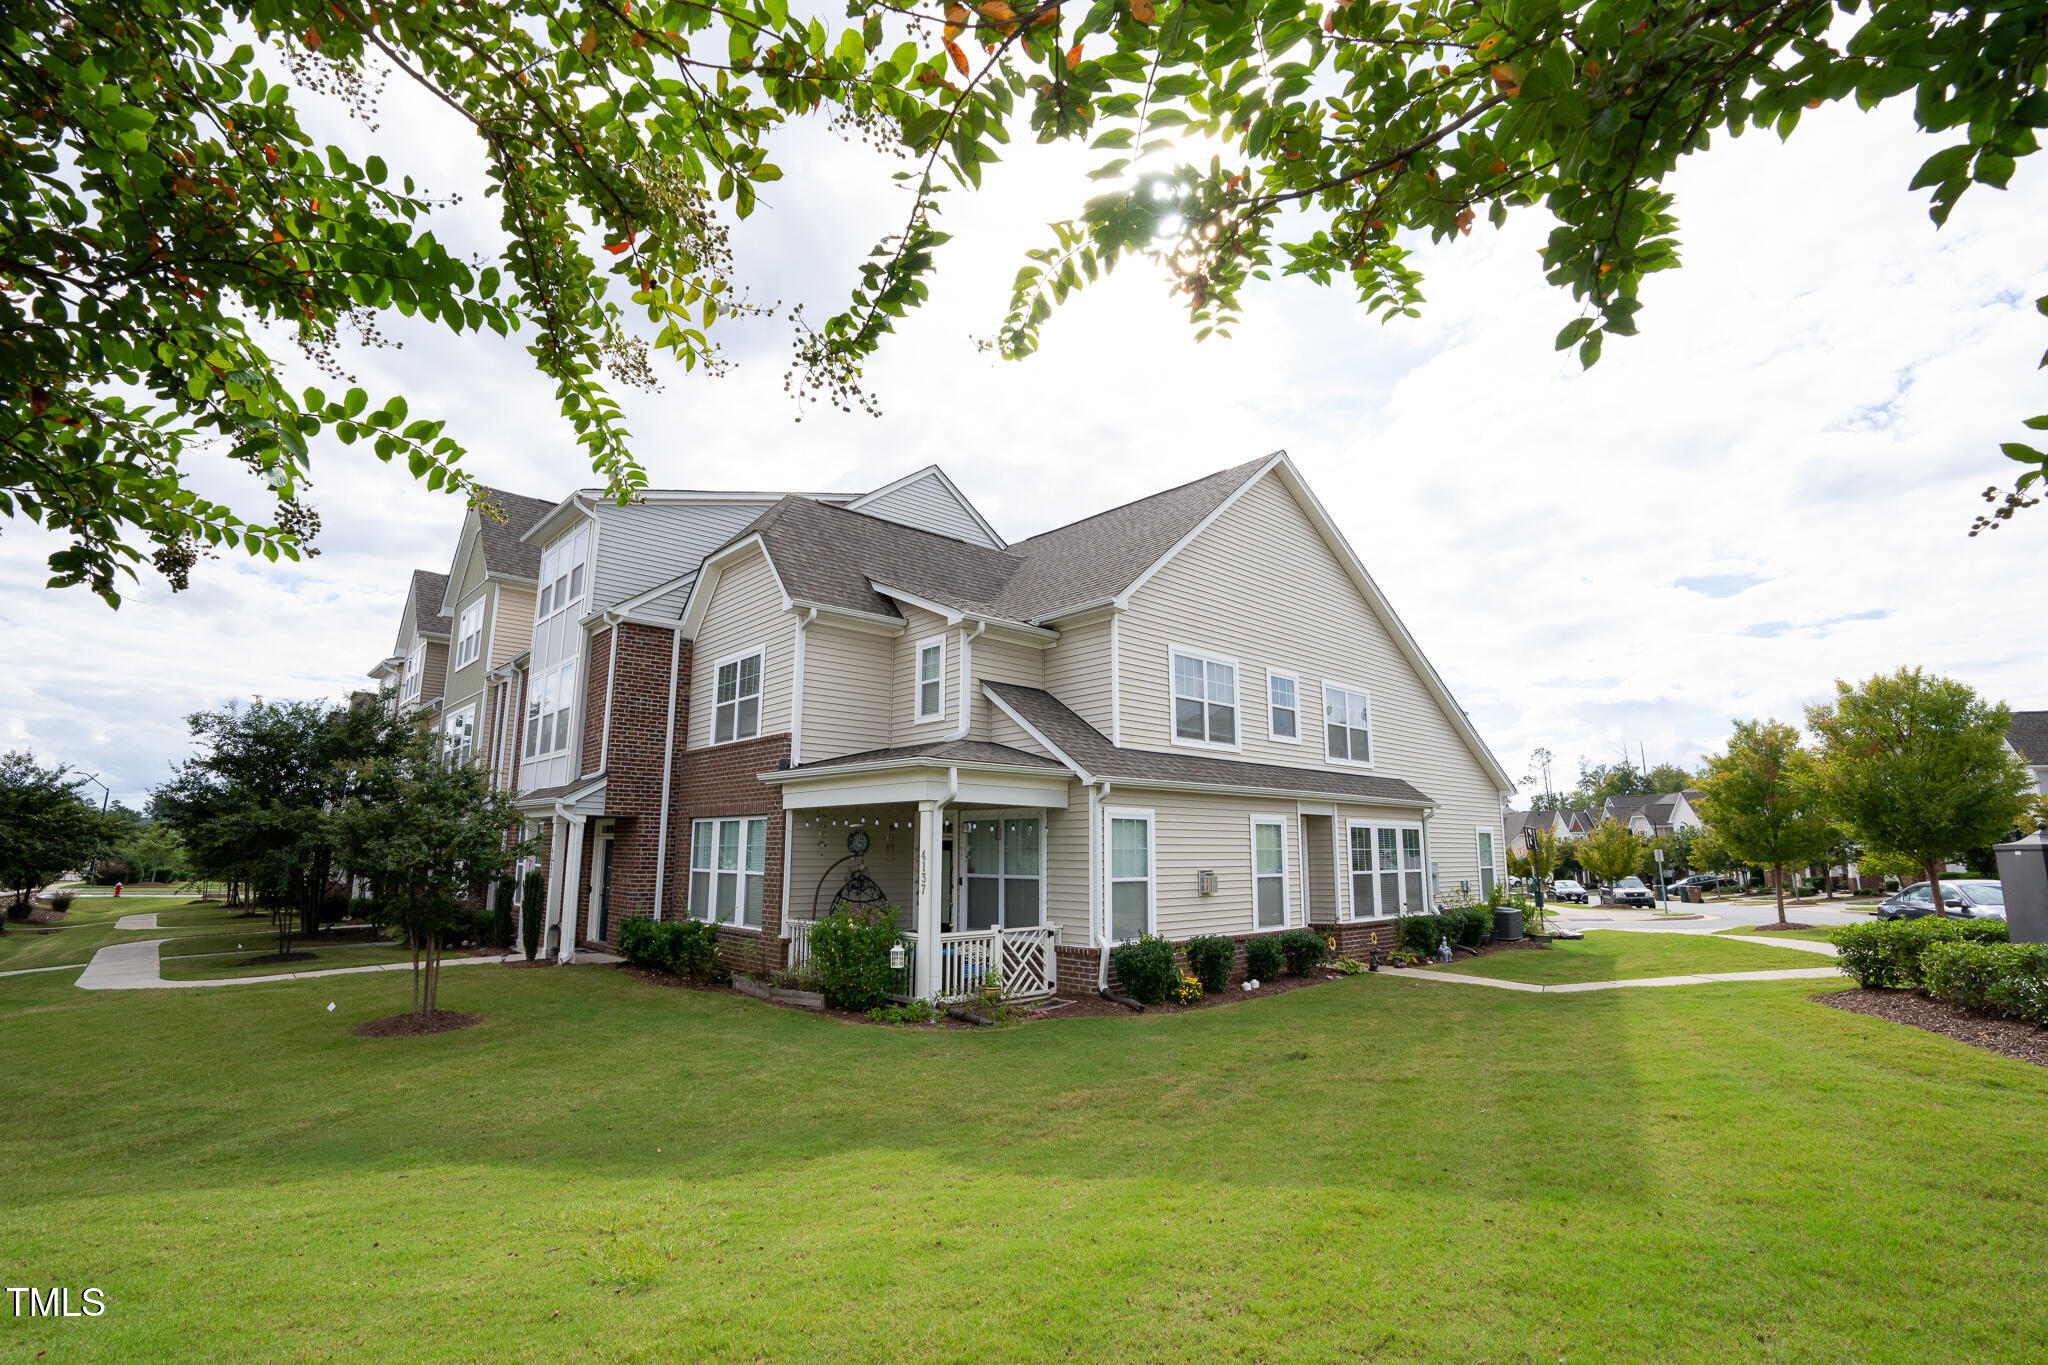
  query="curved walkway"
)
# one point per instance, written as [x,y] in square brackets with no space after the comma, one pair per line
[143,921]
[1573,987]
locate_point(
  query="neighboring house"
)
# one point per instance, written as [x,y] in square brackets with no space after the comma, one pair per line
[489,598]
[417,666]
[1655,815]
[2028,738]
[1517,823]
[1192,714]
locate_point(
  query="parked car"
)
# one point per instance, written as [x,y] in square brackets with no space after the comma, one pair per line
[1567,890]
[1631,891]
[1959,899]
[1705,881]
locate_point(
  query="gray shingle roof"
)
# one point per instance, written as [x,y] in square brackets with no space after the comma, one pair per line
[504,552]
[2029,735]
[1090,749]
[835,557]
[942,751]
[428,588]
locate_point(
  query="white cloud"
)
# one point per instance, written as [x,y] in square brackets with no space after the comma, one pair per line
[1810,411]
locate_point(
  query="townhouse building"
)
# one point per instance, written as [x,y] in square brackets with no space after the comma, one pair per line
[417,667]
[1195,713]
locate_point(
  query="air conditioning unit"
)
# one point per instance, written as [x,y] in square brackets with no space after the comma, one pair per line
[1205,882]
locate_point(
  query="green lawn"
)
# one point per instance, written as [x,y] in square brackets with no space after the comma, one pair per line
[87,928]
[209,967]
[1374,1169]
[1811,935]
[1618,954]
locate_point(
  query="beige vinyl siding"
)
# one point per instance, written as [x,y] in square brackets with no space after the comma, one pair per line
[1260,586]
[904,727]
[1193,833]
[1003,730]
[929,505]
[1066,865]
[818,841]
[510,623]
[849,690]
[1322,894]
[1000,661]
[1077,671]
[434,677]
[745,613]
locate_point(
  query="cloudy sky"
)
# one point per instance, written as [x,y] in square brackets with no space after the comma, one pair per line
[1767,490]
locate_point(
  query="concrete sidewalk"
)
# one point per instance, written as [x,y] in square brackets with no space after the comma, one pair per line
[1575,987]
[134,967]
[144,921]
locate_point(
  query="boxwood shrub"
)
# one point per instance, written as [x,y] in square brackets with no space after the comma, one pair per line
[1303,949]
[1210,958]
[1263,958]
[1886,954]
[850,950]
[1965,974]
[1147,969]
[1420,934]
[685,947]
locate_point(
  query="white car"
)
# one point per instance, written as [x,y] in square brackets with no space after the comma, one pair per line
[1568,890]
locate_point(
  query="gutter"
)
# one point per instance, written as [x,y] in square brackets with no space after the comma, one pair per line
[967,639]
[668,758]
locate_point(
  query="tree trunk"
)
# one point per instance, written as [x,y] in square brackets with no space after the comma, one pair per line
[1778,877]
[433,970]
[418,986]
[1934,884]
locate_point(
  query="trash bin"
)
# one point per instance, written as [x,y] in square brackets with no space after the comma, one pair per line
[1507,925]
[1693,896]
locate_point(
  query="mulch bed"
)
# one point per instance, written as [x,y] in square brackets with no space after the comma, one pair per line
[2009,1037]
[1775,928]
[542,961]
[265,959]
[413,1026]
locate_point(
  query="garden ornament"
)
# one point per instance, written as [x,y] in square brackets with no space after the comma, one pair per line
[1443,950]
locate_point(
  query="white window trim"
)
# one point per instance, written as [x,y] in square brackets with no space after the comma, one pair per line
[457,721]
[711,739]
[1278,822]
[1294,678]
[1111,814]
[563,545]
[919,716]
[1372,737]
[1372,840]
[1482,832]
[415,673]
[740,901]
[469,642]
[1173,734]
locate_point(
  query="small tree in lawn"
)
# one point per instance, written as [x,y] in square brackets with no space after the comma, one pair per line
[1918,765]
[46,827]
[430,834]
[1762,804]
[1611,850]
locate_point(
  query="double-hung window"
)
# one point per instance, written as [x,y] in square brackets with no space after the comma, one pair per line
[736,709]
[1204,699]
[728,859]
[1386,859]
[1130,875]
[469,634]
[1486,870]
[561,573]
[461,735]
[1347,718]
[1283,706]
[1269,874]
[415,671]
[1003,873]
[549,710]
[564,693]
[931,679]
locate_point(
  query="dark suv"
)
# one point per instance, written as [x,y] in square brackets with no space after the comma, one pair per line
[1705,881]
[1631,891]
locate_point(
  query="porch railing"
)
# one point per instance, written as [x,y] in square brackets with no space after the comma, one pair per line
[1024,959]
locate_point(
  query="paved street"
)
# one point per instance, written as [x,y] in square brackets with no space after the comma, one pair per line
[1714,915]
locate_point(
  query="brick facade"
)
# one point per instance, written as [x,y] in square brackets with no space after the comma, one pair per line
[724,781]
[597,680]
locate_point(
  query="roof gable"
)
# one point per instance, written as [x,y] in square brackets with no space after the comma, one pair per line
[423,618]
[930,501]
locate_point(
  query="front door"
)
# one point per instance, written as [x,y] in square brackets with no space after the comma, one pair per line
[602,918]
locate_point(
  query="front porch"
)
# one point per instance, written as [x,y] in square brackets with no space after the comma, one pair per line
[958,857]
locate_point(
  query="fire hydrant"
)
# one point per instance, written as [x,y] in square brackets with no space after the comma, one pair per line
[117,890]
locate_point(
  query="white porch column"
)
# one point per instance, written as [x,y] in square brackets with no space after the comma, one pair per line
[558,844]
[925,897]
[568,901]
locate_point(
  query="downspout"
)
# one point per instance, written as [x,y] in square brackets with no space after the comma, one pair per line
[1098,879]
[668,758]
[796,701]
[967,639]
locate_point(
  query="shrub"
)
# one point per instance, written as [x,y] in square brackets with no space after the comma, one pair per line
[1188,992]
[2022,995]
[61,901]
[1147,969]
[851,950]
[1210,958]
[913,1012]
[1303,949]
[1963,973]
[533,909]
[500,933]
[636,941]
[1262,958]
[1420,934]
[1886,954]
[684,947]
